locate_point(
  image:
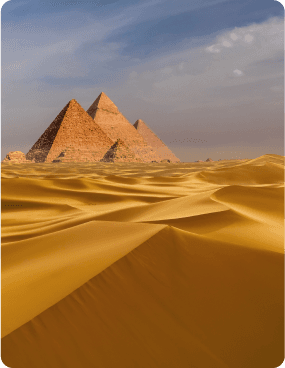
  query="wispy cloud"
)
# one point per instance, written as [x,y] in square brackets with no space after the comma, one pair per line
[204,72]
[77,41]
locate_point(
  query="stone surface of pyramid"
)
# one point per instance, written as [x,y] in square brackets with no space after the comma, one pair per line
[152,139]
[70,154]
[106,114]
[119,152]
[72,131]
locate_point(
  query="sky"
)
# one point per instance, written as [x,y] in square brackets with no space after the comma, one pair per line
[207,76]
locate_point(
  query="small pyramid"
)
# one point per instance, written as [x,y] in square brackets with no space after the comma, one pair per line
[119,152]
[162,151]
[74,129]
[15,157]
[106,114]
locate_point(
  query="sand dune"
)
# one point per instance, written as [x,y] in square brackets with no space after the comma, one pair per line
[140,265]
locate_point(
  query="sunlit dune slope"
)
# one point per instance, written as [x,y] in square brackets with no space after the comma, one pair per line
[140,265]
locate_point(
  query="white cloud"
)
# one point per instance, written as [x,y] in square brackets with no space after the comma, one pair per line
[248,38]
[189,77]
[233,36]
[238,72]
[227,44]
[213,48]
[268,36]
[204,73]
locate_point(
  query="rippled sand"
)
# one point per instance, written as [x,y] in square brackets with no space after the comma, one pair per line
[143,265]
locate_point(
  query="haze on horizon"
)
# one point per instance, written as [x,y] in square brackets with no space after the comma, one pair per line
[206,76]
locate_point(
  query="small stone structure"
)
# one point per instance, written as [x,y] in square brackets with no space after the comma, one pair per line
[120,153]
[16,157]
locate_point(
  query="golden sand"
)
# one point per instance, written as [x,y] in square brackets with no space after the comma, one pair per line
[143,265]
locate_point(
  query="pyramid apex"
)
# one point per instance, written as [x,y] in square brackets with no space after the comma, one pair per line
[138,122]
[73,102]
[102,102]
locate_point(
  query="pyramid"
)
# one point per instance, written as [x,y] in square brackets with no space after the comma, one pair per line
[152,140]
[106,114]
[16,157]
[119,152]
[74,132]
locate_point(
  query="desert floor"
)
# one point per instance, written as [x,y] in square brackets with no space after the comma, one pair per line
[143,265]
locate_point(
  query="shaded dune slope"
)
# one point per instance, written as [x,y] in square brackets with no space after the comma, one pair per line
[176,300]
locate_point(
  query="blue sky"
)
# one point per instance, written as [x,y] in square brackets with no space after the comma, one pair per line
[207,69]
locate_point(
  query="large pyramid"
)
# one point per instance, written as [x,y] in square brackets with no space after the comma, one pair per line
[106,114]
[120,153]
[152,140]
[73,133]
